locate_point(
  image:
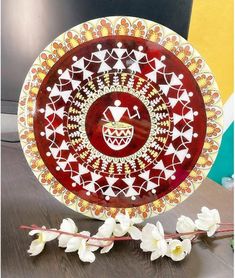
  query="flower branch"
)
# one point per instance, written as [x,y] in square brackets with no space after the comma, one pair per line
[35,227]
[123,228]
[173,235]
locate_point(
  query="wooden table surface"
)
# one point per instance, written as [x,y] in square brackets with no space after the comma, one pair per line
[24,201]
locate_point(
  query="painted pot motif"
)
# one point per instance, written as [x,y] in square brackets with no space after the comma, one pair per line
[117,135]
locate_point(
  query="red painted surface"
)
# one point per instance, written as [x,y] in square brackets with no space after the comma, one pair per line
[94,123]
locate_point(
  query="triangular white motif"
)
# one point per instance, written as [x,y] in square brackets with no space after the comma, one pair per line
[75,83]
[60,112]
[158,64]
[175,80]
[135,67]
[176,118]
[173,101]
[100,54]
[87,74]
[60,129]
[165,88]
[104,67]
[49,111]
[111,180]
[79,64]
[151,185]
[189,115]
[117,112]
[62,164]
[95,176]
[82,170]
[64,146]
[90,187]
[109,192]
[145,175]
[168,173]
[188,134]
[131,192]
[119,52]
[65,75]
[159,165]
[71,158]
[77,178]
[48,132]
[139,55]
[181,154]
[65,95]
[152,76]
[119,65]
[170,150]
[184,96]
[54,152]
[176,133]
[129,181]
[55,91]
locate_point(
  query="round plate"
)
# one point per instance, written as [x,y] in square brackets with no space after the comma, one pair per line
[120,114]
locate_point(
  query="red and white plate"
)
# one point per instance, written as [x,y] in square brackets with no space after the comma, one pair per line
[120,114]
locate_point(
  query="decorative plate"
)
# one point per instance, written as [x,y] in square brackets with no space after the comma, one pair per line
[120,114]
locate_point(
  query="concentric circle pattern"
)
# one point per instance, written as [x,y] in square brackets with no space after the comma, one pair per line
[120,114]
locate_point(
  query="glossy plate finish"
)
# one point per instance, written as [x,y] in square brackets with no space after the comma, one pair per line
[120,114]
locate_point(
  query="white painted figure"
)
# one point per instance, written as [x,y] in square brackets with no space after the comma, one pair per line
[118,111]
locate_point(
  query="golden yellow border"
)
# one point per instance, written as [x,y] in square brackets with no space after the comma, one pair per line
[136,27]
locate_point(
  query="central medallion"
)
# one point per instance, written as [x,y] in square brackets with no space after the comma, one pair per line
[118,124]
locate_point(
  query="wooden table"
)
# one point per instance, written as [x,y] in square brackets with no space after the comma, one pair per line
[24,201]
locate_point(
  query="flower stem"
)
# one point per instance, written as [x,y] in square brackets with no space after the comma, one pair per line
[167,236]
[35,227]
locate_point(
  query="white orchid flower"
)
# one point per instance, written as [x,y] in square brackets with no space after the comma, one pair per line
[80,244]
[208,220]
[106,230]
[127,226]
[153,240]
[38,244]
[68,226]
[185,225]
[177,250]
